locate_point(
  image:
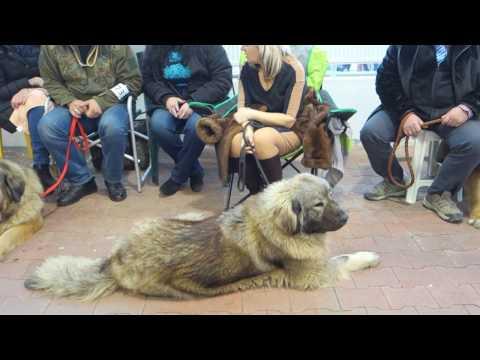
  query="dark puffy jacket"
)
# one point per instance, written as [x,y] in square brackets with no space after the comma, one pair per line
[395,73]
[16,68]
[210,81]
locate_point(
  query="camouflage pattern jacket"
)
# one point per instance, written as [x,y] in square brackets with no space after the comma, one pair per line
[66,80]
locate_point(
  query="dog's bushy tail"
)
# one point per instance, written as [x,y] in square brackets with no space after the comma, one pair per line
[75,277]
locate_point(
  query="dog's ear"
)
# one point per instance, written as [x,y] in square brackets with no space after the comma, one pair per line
[15,187]
[289,217]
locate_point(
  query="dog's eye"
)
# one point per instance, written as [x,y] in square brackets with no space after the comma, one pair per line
[320,204]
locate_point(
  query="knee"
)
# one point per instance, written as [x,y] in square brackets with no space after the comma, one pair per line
[51,123]
[263,139]
[162,124]
[114,123]
[369,134]
[470,146]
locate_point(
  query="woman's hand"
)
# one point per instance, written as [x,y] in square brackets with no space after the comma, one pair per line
[20,98]
[250,145]
[173,105]
[243,115]
[185,111]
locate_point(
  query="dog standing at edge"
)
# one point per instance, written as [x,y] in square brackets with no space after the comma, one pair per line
[20,205]
[275,239]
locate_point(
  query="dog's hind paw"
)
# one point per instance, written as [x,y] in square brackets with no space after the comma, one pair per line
[475,223]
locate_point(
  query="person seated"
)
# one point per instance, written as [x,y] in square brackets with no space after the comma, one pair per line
[273,79]
[173,76]
[22,100]
[90,82]
[419,83]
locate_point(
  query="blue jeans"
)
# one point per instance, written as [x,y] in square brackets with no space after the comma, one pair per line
[112,128]
[41,156]
[463,157]
[166,130]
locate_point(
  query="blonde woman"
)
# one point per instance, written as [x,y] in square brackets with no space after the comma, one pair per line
[274,79]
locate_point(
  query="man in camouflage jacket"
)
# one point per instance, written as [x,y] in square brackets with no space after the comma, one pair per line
[91,82]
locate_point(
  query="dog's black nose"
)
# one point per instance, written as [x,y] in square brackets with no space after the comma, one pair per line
[343,218]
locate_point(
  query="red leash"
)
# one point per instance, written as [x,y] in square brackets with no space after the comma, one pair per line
[83,146]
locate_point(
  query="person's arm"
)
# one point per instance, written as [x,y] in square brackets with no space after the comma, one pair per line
[9,89]
[51,75]
[292,102]
[389,87]
[127,73]
[220,70]
[156,90]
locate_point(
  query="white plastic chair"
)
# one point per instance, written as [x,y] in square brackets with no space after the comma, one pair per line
[424,143]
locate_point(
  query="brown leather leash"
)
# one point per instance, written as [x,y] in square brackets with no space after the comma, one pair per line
[400,136]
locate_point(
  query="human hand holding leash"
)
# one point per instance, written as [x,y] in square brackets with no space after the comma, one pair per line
[247,140]
[93,109]
[455,117]
[242,115]
[77,108]
[412,125]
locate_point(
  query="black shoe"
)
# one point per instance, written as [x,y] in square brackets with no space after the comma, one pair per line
[43,173]
[169,187]
[116,192]
[76,192]
[196,183]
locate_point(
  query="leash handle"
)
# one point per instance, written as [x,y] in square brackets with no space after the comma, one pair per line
[400,135]
[242,162]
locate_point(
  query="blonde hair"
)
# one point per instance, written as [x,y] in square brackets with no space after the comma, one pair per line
[271,58]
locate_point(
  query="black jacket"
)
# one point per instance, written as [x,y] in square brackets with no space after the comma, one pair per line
[395,73]
[210,80]
[15,71]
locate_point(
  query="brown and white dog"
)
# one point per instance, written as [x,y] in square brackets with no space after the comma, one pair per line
[20,205]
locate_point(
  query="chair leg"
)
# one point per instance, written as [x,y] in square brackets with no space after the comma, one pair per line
[153,150]
[1,144]
[28,143]
[134,144]
[229,192]
[420,149]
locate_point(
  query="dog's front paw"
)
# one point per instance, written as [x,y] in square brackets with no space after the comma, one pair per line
[475,223]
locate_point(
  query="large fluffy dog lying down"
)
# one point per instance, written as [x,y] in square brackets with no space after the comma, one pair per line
[20,205]
[275,239]
[472,190]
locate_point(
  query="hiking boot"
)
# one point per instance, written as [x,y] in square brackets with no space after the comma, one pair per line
[384,190]
[116,191]
[444,206]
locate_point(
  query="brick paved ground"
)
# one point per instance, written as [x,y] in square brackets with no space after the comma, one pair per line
[428,266]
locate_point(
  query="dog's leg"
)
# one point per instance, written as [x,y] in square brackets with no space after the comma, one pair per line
[345,264]
[17,235]
[275,279]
